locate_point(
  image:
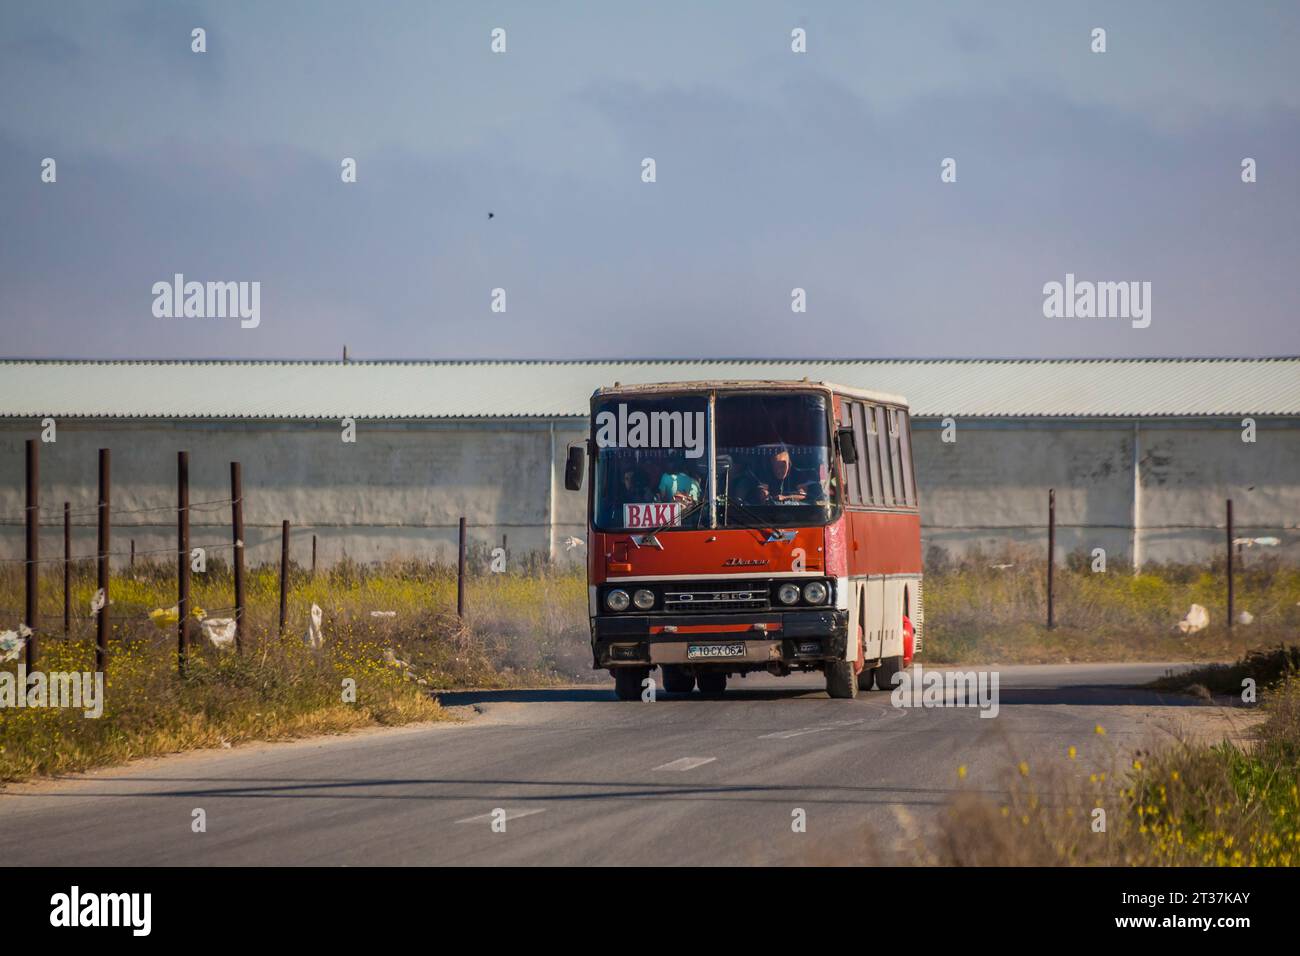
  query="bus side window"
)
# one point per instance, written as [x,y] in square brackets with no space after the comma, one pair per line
[872,458]
[886,470]
[852,490]
[909,473]
[863,465]
[901,497]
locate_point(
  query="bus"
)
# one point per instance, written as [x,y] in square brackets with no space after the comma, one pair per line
[743,526]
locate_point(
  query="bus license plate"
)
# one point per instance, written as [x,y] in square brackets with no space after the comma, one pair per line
[698,651]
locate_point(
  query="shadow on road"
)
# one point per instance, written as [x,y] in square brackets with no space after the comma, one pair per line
[1091,695]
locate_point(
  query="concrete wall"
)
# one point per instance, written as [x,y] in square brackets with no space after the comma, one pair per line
[989,488]
[399,490]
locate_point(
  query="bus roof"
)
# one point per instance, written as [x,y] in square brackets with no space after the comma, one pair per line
[738,385]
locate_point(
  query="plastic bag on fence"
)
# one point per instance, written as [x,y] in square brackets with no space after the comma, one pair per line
[220,631]
[97,602]
[315,636]
[1197,619]
[13,642]
[167,617]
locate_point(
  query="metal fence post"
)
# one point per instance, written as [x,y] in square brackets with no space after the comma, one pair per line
[284,574]
[101,561]
[460,572]
[32,609]
[182,559]
[1051,557]
[237,554]
[1230,568]
[67,568]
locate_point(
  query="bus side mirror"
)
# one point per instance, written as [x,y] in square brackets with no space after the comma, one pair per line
[574,466]
[848,450]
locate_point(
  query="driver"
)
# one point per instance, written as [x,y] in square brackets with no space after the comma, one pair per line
[773,481]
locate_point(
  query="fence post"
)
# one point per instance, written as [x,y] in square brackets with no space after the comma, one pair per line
[460,572]
[131,564]
[1230,594]
[183,559]
[284,574]
[1051,557]
[32,609]
[67,568]
[313,557]
[237,555]
[101,561]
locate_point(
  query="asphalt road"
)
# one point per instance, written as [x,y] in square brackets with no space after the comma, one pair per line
[583,779]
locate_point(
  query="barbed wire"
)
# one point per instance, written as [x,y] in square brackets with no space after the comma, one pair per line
[211,504]
[74,559]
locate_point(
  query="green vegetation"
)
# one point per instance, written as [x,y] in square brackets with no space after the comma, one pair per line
[1191,803]
[982,611]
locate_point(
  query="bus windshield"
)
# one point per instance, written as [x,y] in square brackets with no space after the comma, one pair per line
[773,460]
[654,466]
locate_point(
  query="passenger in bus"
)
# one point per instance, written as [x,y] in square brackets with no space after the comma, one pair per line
[635,487]
[677,484]
[773,481]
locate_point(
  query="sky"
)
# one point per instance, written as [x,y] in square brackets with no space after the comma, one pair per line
[523,171]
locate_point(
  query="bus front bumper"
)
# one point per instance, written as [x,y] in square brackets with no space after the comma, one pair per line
[753,639]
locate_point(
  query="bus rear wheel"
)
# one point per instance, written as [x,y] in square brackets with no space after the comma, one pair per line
[841,682]
[678,679]
[712,682]
[627,682]
[889,666]
[865,677]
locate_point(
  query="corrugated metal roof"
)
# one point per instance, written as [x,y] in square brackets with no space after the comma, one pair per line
[486,389]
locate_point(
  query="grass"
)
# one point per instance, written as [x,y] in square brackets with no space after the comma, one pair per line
[978,612]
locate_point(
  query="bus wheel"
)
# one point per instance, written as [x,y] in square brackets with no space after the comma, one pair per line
[678,679]
[840,679]
[627,682]
[889,666]
[865,677]
[712,682]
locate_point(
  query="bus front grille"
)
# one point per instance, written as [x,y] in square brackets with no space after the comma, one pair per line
[745,596]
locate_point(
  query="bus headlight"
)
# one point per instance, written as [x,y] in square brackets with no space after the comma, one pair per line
[788,593]
[643,599]
[617,600]
[815,592]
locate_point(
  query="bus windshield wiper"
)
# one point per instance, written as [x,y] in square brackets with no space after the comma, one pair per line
[681,516]
[751,514]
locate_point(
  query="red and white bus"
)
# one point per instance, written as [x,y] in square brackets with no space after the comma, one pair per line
[750,526]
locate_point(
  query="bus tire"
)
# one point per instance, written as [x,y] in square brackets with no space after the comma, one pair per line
[678,679]
[889,667]
[841,682]
[627,682]
[711,682]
